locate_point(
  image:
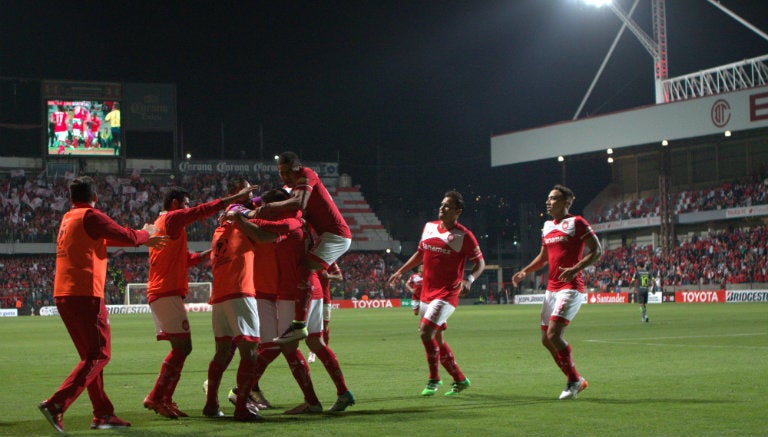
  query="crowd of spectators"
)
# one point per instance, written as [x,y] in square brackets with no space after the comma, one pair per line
[747,192]
[32,206]
[731,256]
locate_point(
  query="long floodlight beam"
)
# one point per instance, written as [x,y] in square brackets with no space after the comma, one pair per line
[605,62]
[650,45]
[744,22]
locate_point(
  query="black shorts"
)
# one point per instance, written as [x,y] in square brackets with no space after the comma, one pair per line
[642,296]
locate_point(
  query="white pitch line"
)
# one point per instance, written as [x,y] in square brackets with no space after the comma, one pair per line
[688,336]
[638,341]
[679,345]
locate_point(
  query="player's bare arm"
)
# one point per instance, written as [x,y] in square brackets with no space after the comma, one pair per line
[537,263]
[594,254]
[240,195]
[251,230]
[412,262]
[466,283]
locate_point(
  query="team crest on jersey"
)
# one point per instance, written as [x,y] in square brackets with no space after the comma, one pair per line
[565,225]
[450,237]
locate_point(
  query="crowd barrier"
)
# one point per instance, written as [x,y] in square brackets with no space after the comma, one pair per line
[719,296]
[694,296]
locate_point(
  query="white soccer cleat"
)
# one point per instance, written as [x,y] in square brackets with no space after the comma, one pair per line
[572,389]
[311,357]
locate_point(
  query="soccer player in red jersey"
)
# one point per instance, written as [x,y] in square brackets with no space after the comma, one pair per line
[293,270]
[562,247]
[443,250]
[168,285]
[59,118]
[413,284]
[79,117]
[78,290]
[93,130]
[309,195]
[332,273]
[234,309]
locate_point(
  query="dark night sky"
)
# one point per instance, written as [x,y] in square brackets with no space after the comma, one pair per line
[428,80]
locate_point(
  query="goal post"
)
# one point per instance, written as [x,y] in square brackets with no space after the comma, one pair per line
[136,293]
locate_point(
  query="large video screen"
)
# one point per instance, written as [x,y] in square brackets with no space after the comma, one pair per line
[83,128]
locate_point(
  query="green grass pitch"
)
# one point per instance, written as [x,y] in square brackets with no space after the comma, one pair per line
[694,370]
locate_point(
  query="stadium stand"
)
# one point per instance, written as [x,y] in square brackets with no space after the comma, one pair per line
[749,191]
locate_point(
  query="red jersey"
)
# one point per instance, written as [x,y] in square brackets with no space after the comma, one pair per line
[291,250]
[232,264]
[321,212]
[444,254]
[266,268]
[168,265]
[415,282]
[93,124]
[564,241]
[325,283]
[60,121]
[78,117]
[266,275]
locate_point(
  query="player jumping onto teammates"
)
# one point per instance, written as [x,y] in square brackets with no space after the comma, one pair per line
[309,195]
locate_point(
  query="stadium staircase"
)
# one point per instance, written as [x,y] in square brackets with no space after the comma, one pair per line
[367,231]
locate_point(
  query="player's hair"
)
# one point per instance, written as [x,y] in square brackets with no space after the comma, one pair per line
[235,184]
[289,158]
[174,193]
[458,199]
[82,189]
[565,191]
[275,195]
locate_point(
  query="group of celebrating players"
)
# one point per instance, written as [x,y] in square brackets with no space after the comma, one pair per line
[272,257]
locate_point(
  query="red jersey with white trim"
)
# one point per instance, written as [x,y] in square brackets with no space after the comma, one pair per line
[321,212]
[79,117]
[564,240]
[59,121]
[444,254]
[415,282]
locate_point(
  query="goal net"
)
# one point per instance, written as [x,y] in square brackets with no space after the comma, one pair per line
[136,293]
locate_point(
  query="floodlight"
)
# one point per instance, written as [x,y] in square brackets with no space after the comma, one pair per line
[727,133]
[598,3]
[561,158]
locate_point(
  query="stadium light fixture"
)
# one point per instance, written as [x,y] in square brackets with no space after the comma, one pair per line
[727,133]
[189,156]
[610,160]
[561,158]
[597,3]
[655,45]
[609,151]
[664,143]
